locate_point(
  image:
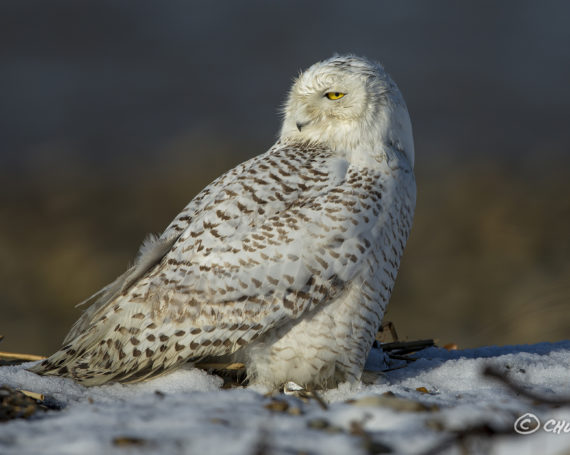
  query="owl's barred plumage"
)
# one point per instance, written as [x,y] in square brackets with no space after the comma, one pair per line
[285,263]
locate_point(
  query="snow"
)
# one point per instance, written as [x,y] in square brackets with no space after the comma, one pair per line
[187,412]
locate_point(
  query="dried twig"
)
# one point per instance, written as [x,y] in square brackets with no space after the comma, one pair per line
[219,366]
[34,395]
[129,441]
[401,357]
[233,374]
[492,372]
[464,436]
[406,347]
[17,356]
[485,431]
[14,404]
[317,397]
[387,330]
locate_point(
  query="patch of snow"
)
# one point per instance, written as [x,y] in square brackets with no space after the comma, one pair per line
[188,412]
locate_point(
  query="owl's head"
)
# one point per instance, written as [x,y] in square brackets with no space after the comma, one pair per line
[351,105]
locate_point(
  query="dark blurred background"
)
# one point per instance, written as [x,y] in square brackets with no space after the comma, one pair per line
[114,114]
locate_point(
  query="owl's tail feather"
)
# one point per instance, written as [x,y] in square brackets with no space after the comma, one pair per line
[86,355]
[59,367]
[92,360]
[152,250]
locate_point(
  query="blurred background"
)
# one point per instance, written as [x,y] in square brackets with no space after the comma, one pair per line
[114,114]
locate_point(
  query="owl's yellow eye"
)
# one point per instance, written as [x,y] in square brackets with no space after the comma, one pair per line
[334,95]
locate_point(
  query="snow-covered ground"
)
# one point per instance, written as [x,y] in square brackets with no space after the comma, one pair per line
[187,412]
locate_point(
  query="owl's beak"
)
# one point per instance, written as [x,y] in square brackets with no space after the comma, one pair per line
[301,125]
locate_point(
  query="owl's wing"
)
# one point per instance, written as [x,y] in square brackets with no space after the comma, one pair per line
[150,253]
[270,242]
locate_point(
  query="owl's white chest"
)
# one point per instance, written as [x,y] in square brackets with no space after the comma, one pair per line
[329,344]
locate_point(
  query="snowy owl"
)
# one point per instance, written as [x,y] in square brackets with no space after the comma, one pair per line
[284,263]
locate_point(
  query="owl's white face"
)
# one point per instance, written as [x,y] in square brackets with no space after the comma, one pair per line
[350,105]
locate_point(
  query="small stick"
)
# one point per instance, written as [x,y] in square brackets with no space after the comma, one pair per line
[407,345]
[235,366]
[34,395]
[322,403]
[312,393]
[391,327]
[16,356]
[401,357]
[219,366]
[395,368]
[462,437]
[494,373]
